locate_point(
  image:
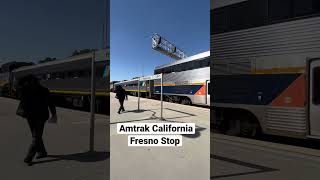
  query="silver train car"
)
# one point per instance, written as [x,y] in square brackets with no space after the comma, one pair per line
[131,87]
[265,67]
[185,81]
[69,80]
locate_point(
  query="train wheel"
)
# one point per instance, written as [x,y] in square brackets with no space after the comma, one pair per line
[186,101]
[249,128]
[171,99]
[233,127]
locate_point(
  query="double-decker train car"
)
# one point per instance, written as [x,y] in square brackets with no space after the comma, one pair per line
[69,80]
[265,67]
[185,81]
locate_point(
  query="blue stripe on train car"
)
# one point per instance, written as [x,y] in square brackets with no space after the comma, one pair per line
[183,89]
[246,89]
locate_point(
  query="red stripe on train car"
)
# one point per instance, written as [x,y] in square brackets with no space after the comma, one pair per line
[294,95]
[201,91]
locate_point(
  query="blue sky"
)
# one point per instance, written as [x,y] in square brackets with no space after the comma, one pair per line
[33,29]
[186,23]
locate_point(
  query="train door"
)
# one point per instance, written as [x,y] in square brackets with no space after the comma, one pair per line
[314,97]
[208,93]
[151,88]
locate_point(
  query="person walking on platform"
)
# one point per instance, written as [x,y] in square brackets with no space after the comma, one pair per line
[121,95]
[34,104]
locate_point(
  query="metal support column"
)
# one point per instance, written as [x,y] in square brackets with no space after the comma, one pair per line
[161,117]
[138,94]
[93,98]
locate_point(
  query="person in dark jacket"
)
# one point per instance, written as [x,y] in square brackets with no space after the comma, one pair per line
[35,101]
[121,95]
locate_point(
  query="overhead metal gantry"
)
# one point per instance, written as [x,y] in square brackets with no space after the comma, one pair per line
[165,47]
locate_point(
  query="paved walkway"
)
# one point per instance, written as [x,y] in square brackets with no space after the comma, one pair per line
[67,143]
[234,158]
[189,162]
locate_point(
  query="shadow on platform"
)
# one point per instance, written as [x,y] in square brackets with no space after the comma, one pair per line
[258,168]
[80,157]
[196,134]
[153,115]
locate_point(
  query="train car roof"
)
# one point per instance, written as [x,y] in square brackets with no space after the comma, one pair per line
[191,58]
[215,4]
[58,61]
[126,81]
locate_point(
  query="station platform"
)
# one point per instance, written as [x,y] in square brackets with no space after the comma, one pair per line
[188,162]
[235,158]
[67,143]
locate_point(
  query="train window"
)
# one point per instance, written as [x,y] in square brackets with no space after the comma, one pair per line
[70,75]
[167,70]
[316,86]
[302,8]
[39,76]
[316,6]
[76,74]
[80,73]
[48,76]
[279,10]
[191,65]
[306,7]
[60,75]
[180,67]
[86,74]
[174,68]
[202,64]
[219,22]
[239,16]
[208,62]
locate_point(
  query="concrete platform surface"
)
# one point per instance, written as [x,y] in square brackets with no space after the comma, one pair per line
[191,161]
[234,158]
[67,144]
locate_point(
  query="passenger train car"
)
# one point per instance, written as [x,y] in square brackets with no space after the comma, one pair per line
[185,81]
[5,75]
[265,67]
[69,80]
